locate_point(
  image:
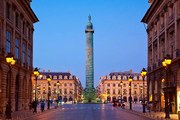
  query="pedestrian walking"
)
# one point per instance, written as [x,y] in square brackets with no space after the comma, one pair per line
[42,106]
[34,106]
[30,105]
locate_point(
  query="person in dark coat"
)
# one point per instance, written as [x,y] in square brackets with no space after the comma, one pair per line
[42,106]
[34,106]
[30,105]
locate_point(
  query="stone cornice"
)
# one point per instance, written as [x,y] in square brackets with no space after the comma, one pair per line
[25,5]
[151,11]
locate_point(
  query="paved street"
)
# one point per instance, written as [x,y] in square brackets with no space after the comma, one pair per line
[87,112]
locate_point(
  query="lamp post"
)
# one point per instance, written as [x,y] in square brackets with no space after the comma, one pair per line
[143,74]
[130,97]
[121,84]
[48,79]
[11,61]
[166,62]
[58,83]
[36,74]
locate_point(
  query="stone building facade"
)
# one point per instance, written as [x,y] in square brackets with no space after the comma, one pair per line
[163,29]
[68,90]
[110,89]
[16,37]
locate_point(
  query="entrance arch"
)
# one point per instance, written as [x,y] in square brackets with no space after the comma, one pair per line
[125,99]
[108,98]
[135,98]
[113,98]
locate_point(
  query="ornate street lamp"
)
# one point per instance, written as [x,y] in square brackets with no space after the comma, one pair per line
[121,84]
[130,97]
[143,74]
[36,74]
[49,80]
[166,63]
[11,61]
[58,84]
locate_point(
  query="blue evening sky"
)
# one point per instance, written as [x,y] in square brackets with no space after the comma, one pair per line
[120,39]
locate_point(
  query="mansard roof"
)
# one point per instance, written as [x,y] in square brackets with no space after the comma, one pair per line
[63,74]
[56,73]
[150,12]
[124,74]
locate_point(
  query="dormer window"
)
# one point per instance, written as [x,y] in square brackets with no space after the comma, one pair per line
[70,77]
[65,77]
[55,77]
[60,76]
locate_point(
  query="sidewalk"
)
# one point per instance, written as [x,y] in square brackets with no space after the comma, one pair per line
[137,109]
[160,115]
[20,115]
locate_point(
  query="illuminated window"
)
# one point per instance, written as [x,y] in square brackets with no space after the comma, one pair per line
[65,77]
[55,77]
[60,76]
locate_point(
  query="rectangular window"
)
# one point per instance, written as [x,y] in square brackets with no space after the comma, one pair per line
[17,19]
[114,91]
[65,91]
[108,91]
[29,57]
[23,53]
[23,26]
[17,49]
[8,11]
[29,34]
[8,42]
